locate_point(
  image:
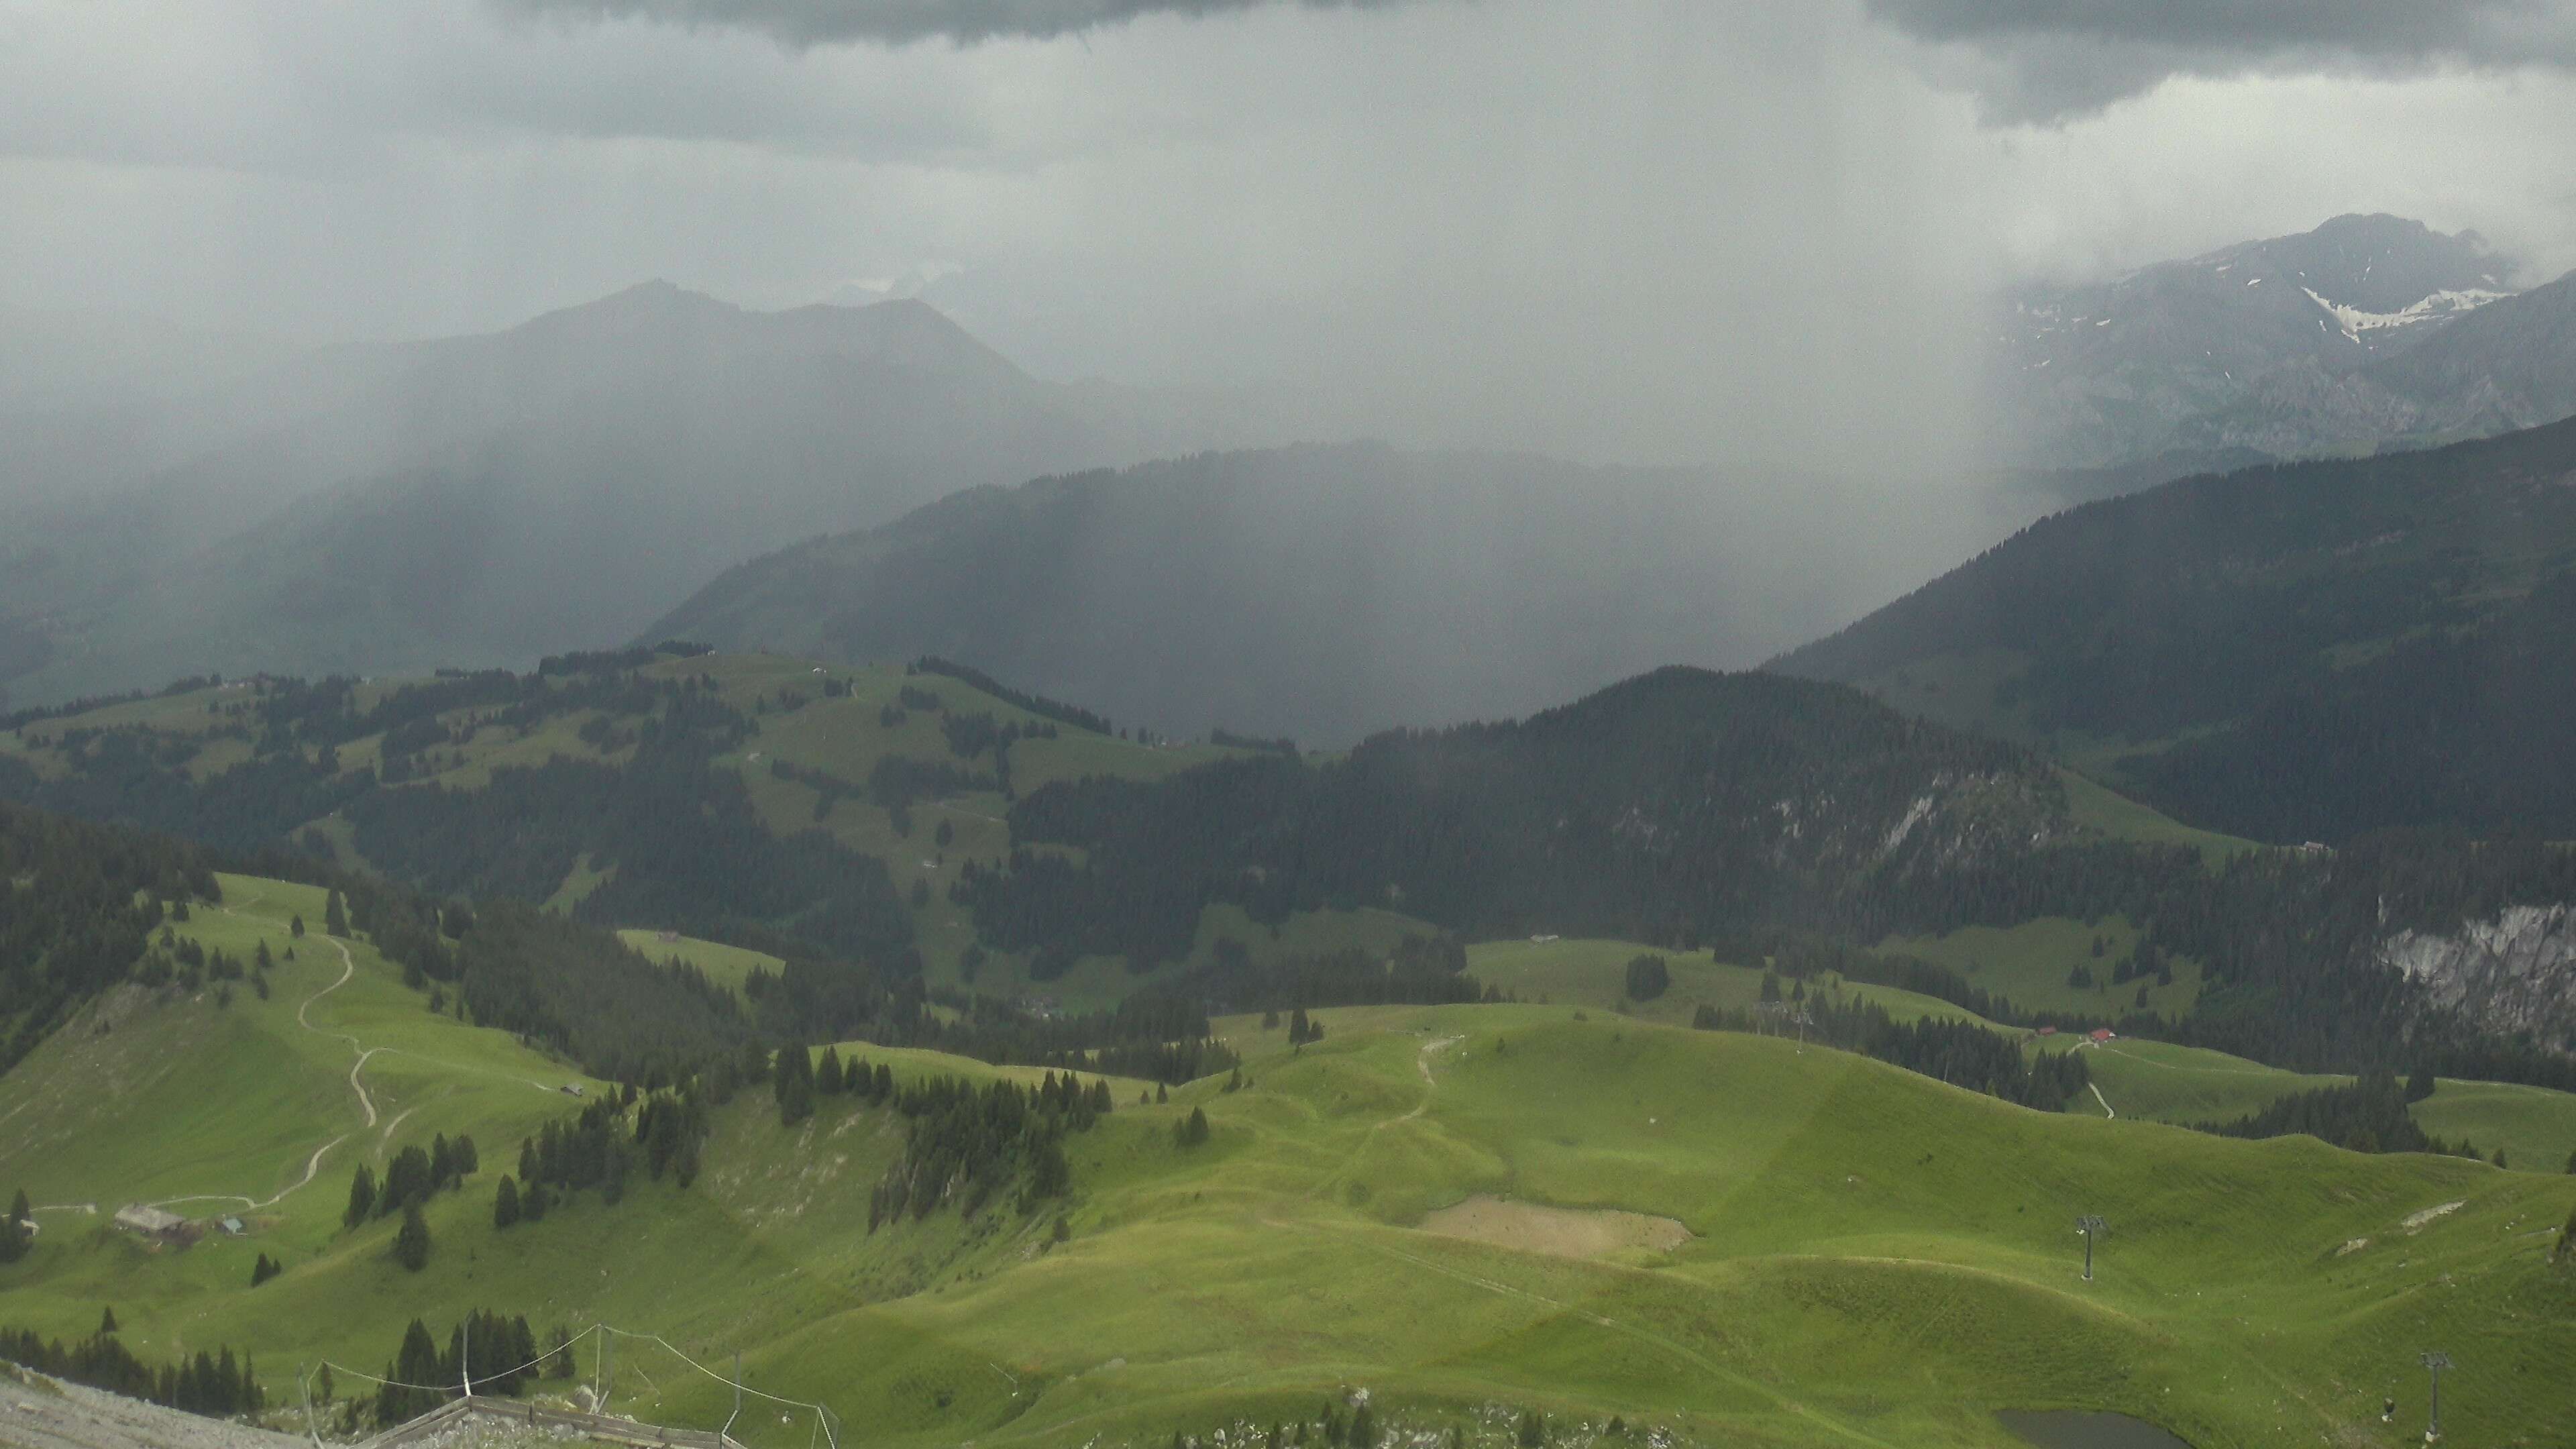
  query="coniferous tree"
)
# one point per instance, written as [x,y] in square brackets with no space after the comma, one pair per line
[505,1203]
[362,1197]
[107,1321]
[335,917]
[827,1076]
[409,1180]
[15,1240]
[1648,977]
[416,1367]
[2419,1084]
[411,1242]
[792,1082]
[1533,1430]
[295,928]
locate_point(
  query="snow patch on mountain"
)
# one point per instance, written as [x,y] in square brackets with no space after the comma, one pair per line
[2448,302]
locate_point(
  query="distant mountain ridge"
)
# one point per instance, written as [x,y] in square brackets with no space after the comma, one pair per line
[492,498]
[1325,592]
[2365,333]
[2291,652]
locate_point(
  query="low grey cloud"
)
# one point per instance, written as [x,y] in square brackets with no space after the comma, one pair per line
[819,22]
[2044,60]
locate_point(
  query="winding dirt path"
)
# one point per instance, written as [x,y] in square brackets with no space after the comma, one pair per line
[367,1104]
[348,969]
[1422,1063]
[2105,1101]
[385,1139]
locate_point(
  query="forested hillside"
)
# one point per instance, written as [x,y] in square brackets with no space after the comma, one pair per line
[809,812]
[76,904]
[1679,803]
[2301,652]
[913,848]
[1753,815]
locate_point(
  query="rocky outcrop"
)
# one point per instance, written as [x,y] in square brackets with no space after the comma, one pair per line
[2514,973]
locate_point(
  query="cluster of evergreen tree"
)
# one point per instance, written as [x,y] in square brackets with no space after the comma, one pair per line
[77,914]
[964,1143]
[2367,1116]
[899,782]
[1159,1033]
[970,735]
[17,1229]
[494,1352]
[1803,956]
[1225,738]
[1036,704]
[590,1148]
[411,1179]
[1648,977]
[217,1385]
[1417,971]
[671,1128]
[579,990]
[1960,1053]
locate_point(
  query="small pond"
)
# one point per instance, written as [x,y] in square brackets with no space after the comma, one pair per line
[2083,1429]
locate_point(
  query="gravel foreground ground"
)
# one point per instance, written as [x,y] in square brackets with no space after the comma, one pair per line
[43,1413]
[39,1413]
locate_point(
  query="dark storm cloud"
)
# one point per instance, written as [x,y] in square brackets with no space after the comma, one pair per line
[2049,59]
[816,22]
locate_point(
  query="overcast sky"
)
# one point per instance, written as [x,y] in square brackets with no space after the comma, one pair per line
[1642,229]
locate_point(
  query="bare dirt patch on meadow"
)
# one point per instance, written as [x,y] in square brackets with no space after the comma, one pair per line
[1562,1232]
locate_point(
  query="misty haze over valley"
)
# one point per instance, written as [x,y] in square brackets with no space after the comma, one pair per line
[1287,724]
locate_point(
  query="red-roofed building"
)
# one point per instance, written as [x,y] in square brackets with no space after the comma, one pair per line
[2102,1034]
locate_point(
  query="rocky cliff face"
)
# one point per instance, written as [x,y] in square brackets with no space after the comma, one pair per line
[2512,973]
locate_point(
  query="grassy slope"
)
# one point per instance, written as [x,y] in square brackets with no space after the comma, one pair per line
[2098,806]
[1593,974]
[727,966]
[1877,1260]
[2029,964]
[2153,1080]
